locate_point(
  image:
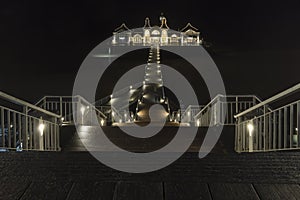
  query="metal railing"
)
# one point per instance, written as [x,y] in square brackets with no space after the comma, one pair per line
[64,106]
[24,129]
[187,115]
[260,129]
[221,109]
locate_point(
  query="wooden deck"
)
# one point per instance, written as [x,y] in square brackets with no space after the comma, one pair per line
[222,175]
[18,189]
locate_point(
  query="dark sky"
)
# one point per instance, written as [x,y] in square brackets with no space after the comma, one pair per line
[256,44]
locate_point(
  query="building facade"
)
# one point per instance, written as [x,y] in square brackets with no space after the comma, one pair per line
[162,35]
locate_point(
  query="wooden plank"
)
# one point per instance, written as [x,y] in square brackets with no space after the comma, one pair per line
[231,191]
[186,191]
[13,189]
[47,190]
[138,191]
[278,191]
[92,190]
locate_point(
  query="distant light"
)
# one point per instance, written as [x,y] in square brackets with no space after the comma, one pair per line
[144,82]
[130,87]
[120,120]
[113,113]
[175,120]
[189,113]
[111,96]
[62,119]
[11,126]
[250,128]
[125,115]
[162,100]
[178,114]
[296,129]
[88,107]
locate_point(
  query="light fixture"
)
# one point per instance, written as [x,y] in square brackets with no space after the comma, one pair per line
[41,128]
[62,119]
[11,126]
[198,122]
[102,122]
[82,109]
[250,128]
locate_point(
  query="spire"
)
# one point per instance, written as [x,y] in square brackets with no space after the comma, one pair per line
[147,23]
[163,21]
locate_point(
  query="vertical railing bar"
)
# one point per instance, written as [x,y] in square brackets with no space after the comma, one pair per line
[231,112]
[274,130]
[8,129]
[15,130]
[20,131]
[48,135]
[285,128]
[298,118]
[2,127]
[265,133]
[291,125]
[65,106]
[25,127]
[260,134]
[270,131]
[30,132]
[280,130]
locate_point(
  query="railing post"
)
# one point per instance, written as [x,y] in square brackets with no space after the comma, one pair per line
[2,127]
[25,128]
[236,105]
[60,106]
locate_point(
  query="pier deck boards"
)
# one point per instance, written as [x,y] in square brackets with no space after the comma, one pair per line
[147,190]
[222,175]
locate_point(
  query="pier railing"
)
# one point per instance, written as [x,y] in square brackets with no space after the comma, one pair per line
[261,129]
[24,126]
[221,109]
[64,106]
[187,115]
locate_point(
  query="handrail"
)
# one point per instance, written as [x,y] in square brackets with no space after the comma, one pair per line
[219,95]
[71,97]
[24,103]
[78,96]
[271,99]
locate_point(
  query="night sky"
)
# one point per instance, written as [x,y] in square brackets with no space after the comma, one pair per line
[256,45]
